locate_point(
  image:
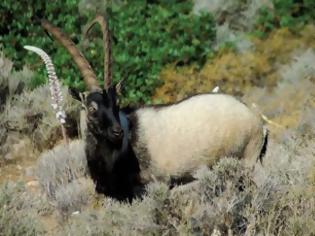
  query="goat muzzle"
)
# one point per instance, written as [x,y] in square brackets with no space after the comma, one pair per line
[117,132]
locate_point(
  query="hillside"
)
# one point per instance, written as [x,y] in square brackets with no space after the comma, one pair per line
[262,52]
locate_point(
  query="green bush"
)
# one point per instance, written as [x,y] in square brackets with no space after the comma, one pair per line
[146,36]
[159,34]
[24,29]
[286,13]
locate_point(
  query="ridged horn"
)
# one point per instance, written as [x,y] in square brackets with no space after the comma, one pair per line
[107,46]
[83,65]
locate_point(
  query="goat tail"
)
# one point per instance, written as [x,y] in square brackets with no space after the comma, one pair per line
[264,146]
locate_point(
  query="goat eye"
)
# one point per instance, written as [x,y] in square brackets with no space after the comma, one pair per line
[92,109]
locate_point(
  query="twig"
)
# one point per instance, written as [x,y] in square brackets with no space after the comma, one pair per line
[265,118]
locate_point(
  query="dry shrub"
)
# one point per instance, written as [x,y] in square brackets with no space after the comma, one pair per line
[30,114]
[11,82]
[285,197]
[291,102]
[62,173]
[16,149]
[214,201]
[114,218]
[284,204]
[20,210]
[27,115]
[61,165]
[75,195]
[237,73]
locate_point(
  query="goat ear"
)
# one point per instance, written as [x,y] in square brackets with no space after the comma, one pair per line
[111,91]
[76,94]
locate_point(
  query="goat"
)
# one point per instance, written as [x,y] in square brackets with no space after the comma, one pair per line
[172,140]
[111,161]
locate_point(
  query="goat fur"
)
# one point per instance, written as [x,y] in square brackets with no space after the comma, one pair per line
[171,141]
[113,165]
[115,170]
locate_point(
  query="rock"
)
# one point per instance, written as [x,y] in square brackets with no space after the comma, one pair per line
[33,183]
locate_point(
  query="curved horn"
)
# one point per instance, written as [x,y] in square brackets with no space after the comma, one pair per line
[107,48]
[84,66]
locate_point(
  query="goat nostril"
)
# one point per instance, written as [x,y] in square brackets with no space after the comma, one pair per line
[118,132]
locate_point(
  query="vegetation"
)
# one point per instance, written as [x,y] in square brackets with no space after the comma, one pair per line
[18,211]
[44,184]
[25,30]
[146,37]
[285,13]
[238,72]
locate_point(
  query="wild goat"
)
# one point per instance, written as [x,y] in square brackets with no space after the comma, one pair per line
[111,160]
[171,141]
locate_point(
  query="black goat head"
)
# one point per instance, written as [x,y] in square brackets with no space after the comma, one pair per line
[102,113]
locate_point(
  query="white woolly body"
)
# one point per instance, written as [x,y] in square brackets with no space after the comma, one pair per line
[197,131]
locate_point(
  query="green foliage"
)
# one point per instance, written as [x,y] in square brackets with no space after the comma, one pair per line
[149,36]
[286,13]
[146,37]
[25,30]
